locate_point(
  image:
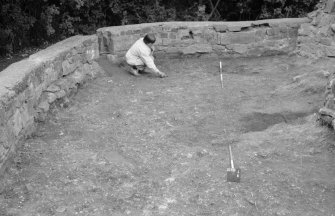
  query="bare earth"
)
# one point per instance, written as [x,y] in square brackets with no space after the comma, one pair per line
[145,146]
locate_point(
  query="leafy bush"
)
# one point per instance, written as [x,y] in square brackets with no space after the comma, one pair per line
[27,23]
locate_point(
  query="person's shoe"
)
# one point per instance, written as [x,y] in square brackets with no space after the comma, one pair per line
[134,72]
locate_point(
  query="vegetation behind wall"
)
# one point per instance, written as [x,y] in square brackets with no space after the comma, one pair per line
[28,23]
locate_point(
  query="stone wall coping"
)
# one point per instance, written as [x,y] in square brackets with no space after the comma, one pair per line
[55,50]
[30,88]
[117,29]
[15,73]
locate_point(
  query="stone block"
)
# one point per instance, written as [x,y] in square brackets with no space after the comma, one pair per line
[136,31]
[92,53]
[305,40]
[163,35]
[44,106]
[53,88]
[326,20]
[260,34]
[242,37]
[164,28]
[221,28]
[3,137]
[283,29]
[50,74]
[211,36]
[330,6]
[310,50]
[65,84]
[183,34]
[175,30]
[79,49]
[27,116]
[165,41]
[313,14]
[60,94]
[17,122]
[234,28]
[324,31]
[293,32]
[123,43]
[330,51]
[172,50]
[238,48]
[108,44]
[326,41]
[332,27]
[93,69]
[219,49]
[172,35]
[223,38]
[237,38]
[273,31]
[146,30]
[51,97]
[196,31]
[327,112]
[332,86]
[78,76]
[330,103]
[197,48]
[68,67]
[257,50]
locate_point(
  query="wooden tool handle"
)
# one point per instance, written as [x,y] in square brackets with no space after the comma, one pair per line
[221,75]
[231,157]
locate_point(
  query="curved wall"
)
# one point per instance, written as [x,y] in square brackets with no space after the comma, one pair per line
[30,87]
[252,38]
[317,40]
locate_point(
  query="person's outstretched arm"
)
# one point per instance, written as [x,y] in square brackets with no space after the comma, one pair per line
[149,62]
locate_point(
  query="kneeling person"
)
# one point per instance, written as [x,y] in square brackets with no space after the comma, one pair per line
[140,56]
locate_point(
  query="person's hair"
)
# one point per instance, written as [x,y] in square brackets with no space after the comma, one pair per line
[149,38]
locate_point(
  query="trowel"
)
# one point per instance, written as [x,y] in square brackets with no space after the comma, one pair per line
[233,174]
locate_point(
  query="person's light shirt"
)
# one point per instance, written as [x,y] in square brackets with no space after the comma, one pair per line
[141,54]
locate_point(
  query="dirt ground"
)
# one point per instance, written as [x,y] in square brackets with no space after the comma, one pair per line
[146,146]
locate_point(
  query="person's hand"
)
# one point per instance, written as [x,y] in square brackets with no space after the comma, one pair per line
[162,74]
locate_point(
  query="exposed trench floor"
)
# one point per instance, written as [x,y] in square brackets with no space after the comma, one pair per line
[146,146]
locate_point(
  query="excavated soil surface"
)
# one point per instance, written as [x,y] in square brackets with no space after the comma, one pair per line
[146,146]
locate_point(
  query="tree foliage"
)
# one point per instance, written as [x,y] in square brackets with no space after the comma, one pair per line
[26,23]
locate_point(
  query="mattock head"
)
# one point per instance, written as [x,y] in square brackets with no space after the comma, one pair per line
[233,175]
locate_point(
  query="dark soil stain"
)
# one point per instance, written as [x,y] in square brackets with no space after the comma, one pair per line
[260,121]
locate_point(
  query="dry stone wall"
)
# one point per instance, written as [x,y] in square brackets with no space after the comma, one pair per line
[250,38]
[317,40]
[327,113]
[30,87]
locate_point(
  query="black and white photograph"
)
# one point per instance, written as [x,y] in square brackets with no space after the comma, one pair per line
[167,107]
